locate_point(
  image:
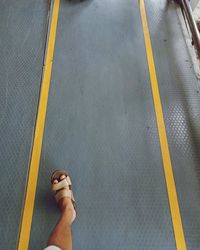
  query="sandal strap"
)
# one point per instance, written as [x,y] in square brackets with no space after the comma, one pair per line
[64,193]
[65,183]
[63,189]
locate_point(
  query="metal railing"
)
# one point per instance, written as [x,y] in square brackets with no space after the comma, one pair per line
[187,11]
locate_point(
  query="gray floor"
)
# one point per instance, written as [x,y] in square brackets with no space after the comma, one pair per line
[101,127]
[100,123]
[181,104]
[22,39]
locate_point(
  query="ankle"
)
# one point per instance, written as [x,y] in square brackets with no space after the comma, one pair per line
[64,204]
[68,215]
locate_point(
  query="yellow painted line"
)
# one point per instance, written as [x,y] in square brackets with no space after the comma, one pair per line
[39,130]
[171,187]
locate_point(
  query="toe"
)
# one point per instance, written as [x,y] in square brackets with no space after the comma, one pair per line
[55,182]
[62,177]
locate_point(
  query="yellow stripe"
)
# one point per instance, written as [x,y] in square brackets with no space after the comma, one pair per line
[39,130]
[171,188]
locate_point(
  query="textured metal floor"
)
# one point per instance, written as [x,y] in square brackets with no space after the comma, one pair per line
[179,91]
[100,124]
[99,114]
[22,39]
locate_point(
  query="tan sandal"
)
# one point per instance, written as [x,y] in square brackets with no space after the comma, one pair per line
[63,188]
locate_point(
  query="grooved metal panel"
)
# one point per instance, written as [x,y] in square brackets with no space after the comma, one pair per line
[22,37]
[181,104]
[101,127]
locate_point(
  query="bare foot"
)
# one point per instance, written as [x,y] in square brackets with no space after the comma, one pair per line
[66,206]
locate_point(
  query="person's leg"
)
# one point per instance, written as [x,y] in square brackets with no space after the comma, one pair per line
[61,235]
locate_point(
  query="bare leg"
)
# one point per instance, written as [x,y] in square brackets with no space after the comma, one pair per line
[61,235]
